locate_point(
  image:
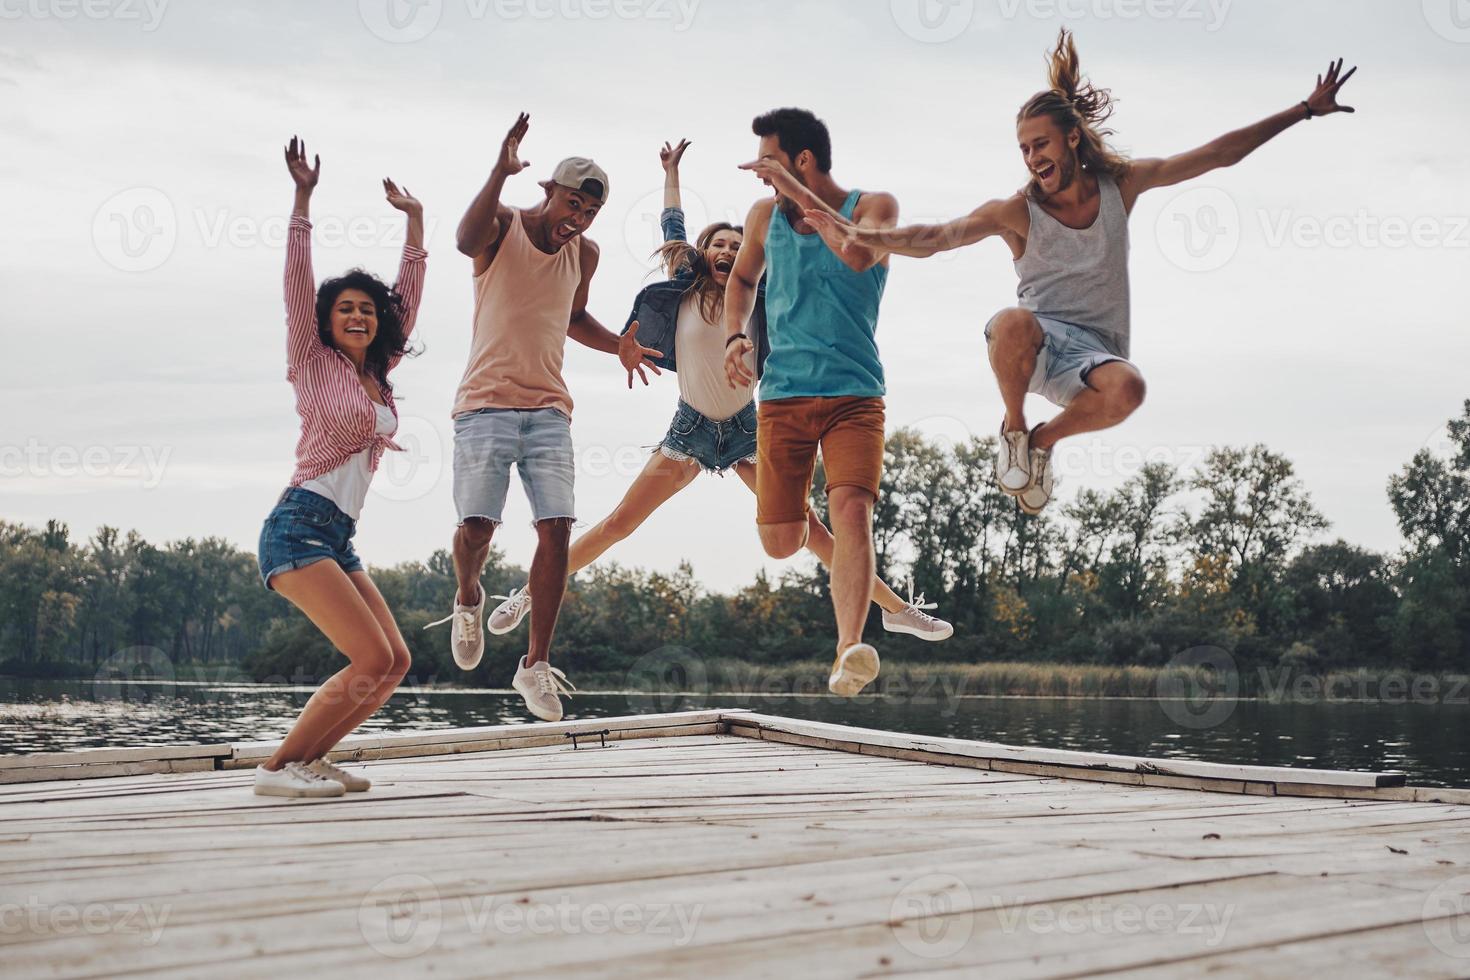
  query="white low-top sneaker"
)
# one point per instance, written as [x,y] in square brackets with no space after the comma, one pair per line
[294,779]
[542,685]
[1038,494]
[854,669]
[508,615]
[354,782]
[1013,460]
[913,620]
[466,641]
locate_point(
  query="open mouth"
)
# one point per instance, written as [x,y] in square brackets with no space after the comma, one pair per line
[565,231]
[357,330]
[1045,172]
[724,265]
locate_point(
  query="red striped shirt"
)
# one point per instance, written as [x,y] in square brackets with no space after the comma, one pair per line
[337,416]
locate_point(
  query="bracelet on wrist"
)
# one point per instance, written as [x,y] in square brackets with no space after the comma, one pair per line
[1308,106]
[734,337]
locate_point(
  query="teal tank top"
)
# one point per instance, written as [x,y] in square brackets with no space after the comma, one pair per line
[821,318]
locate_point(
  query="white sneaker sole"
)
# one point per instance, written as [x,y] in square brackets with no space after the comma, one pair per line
[325,793]
[933,636]
[856,669]
[543,713]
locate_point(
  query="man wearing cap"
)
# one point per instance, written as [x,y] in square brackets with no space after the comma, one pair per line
[531,275]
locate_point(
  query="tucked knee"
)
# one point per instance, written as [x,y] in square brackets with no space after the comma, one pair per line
[783,540]
[1015,326]
[1129,394]
[402,660]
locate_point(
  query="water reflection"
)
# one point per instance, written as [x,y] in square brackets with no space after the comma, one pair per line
[1425,740]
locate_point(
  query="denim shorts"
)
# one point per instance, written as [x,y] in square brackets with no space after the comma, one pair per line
[538,442]
[303,528]
[716,446]
[1068,354]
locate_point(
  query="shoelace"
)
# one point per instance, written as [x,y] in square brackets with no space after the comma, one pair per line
[517,599]
[299,769]
[918,605]
[553,681]
[329,769]
[466,622]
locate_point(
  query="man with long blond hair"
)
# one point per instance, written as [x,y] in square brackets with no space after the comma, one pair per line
[1067,338]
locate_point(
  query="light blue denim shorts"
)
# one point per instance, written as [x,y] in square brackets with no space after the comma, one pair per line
[537,442]
[1068,354]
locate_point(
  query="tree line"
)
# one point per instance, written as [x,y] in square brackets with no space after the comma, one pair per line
[1231,554]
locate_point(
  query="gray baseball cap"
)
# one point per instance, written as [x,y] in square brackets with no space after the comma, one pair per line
[583,175]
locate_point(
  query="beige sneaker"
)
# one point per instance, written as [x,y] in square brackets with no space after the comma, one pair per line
[295,780]
[351,781]
[912,619]
[508,615]
[854,669]
[1038,494]
[542,686]
[1013,460]
[466,639]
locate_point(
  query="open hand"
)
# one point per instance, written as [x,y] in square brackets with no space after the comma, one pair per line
[840,236]
[737,372]
[670,156]
[304,176]
[510,162]
[1323,100]
[773,175]
[403,199]
[635,356]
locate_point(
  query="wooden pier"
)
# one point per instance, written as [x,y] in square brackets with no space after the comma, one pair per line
[724,843]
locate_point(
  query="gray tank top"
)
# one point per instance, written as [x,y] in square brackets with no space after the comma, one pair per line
[1080,276]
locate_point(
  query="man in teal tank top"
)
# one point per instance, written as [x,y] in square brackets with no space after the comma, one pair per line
[823,382]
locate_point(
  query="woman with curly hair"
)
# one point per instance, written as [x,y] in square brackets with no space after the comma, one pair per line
[341,344]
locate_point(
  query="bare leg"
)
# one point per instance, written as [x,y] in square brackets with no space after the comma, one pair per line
[1015,341]
[852,561]
[548,584]
[401,660]
[1114,392]
[819,542]
[331,601]
[659,480]
[471,548]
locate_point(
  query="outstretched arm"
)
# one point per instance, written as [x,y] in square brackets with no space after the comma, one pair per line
[1233,147]
[588,331]
[740,294]
[410,283]
[997,217]
[671,220]
[481,225]
[301,333]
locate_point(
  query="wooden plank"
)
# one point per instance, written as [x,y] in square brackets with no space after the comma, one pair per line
[142,753]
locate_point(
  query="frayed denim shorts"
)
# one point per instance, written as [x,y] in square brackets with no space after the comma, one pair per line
[716,446]
[304,528]
[537,442]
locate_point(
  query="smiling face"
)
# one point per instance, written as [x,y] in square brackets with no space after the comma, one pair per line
[719,254]
[354,320]
[568,213]
[1049,153]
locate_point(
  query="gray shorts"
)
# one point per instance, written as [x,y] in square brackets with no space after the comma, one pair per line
[538,442]
[1068,354]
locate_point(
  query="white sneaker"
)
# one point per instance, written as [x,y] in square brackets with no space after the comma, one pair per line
[1038,494]
[466,641]
[913,620]
[294,779]
[542,686]
[1013,460]
[508,615]
[353,782]
[854,669]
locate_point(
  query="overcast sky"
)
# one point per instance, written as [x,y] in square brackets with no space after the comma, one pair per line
[1311,298]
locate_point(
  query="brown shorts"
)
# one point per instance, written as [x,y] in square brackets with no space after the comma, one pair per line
[850,434]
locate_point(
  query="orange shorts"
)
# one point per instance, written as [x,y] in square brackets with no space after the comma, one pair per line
[850,433]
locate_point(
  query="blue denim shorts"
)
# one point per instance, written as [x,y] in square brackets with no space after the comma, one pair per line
[1068,354]
[303,528]
[716,446]
[537,442]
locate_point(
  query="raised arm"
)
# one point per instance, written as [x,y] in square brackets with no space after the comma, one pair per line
[1235,146]
[409,286]
[672,218]
[482,224]
[1005,217]
[588,331]
[301,334]
[740,293]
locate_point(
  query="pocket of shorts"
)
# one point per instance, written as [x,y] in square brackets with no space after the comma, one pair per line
[748,421]
[685,422]
[312,516]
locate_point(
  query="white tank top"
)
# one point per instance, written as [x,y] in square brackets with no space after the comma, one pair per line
[347,485]
[699,350]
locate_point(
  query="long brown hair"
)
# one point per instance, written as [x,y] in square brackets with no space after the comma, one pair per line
[1074,103]
[677,256]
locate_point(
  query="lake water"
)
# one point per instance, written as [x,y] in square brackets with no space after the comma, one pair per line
[1427,741]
